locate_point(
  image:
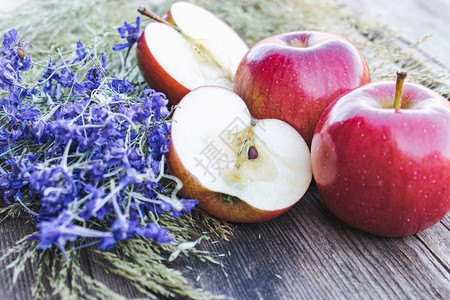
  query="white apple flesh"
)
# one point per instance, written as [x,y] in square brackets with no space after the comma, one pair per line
[240,169]
[191,49]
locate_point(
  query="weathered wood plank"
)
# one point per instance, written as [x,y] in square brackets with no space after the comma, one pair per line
[11,231]
[310,254]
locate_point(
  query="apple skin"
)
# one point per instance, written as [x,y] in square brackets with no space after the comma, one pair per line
[156,76]
[294,76]
[211,201]
[382,170]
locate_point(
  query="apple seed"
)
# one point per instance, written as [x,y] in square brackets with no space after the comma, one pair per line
[252,153]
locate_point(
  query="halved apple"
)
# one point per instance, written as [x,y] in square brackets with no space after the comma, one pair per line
[188,48]
[240,169]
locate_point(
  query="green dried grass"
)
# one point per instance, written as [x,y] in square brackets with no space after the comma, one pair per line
[54,27]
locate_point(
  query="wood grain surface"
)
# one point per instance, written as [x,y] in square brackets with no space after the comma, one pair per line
[307,253]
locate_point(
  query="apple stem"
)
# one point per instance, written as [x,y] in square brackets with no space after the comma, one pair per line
[143,11]
[398,89]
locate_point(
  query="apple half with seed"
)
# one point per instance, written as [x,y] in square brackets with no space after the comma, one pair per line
[240,169]
[188,48]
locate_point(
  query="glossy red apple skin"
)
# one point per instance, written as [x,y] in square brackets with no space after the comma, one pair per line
[156,76]
[294,76]
[382,170]
[212,202]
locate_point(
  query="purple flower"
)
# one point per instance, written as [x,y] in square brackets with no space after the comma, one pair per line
[63,129]
[114,153]
[54,232]
[95,77]
[7,73]
[153,231]
[80,53]
[154,104]
[61,230]
[98,170]
[159,140]
[121,86]
[11,40]
[13,58]
[188,204]
[159,104]
[129,32]
[88,210]
[55,186]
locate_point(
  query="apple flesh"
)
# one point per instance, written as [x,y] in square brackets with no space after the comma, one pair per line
[383,170]
[240,169]
[190,48]
[294,76]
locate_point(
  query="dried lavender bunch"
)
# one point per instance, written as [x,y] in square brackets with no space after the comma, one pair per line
[84,154]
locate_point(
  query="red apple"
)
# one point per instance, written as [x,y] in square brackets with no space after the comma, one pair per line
[381,169]
[188,48]
[294,76]
[240,169]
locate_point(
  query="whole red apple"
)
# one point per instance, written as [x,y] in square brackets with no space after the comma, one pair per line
[294,76]
[240,169]
[381,169]
[189,47]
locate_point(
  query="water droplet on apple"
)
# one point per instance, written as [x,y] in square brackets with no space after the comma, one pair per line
[408,220]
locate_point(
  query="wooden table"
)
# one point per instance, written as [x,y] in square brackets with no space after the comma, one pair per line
[307,253]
